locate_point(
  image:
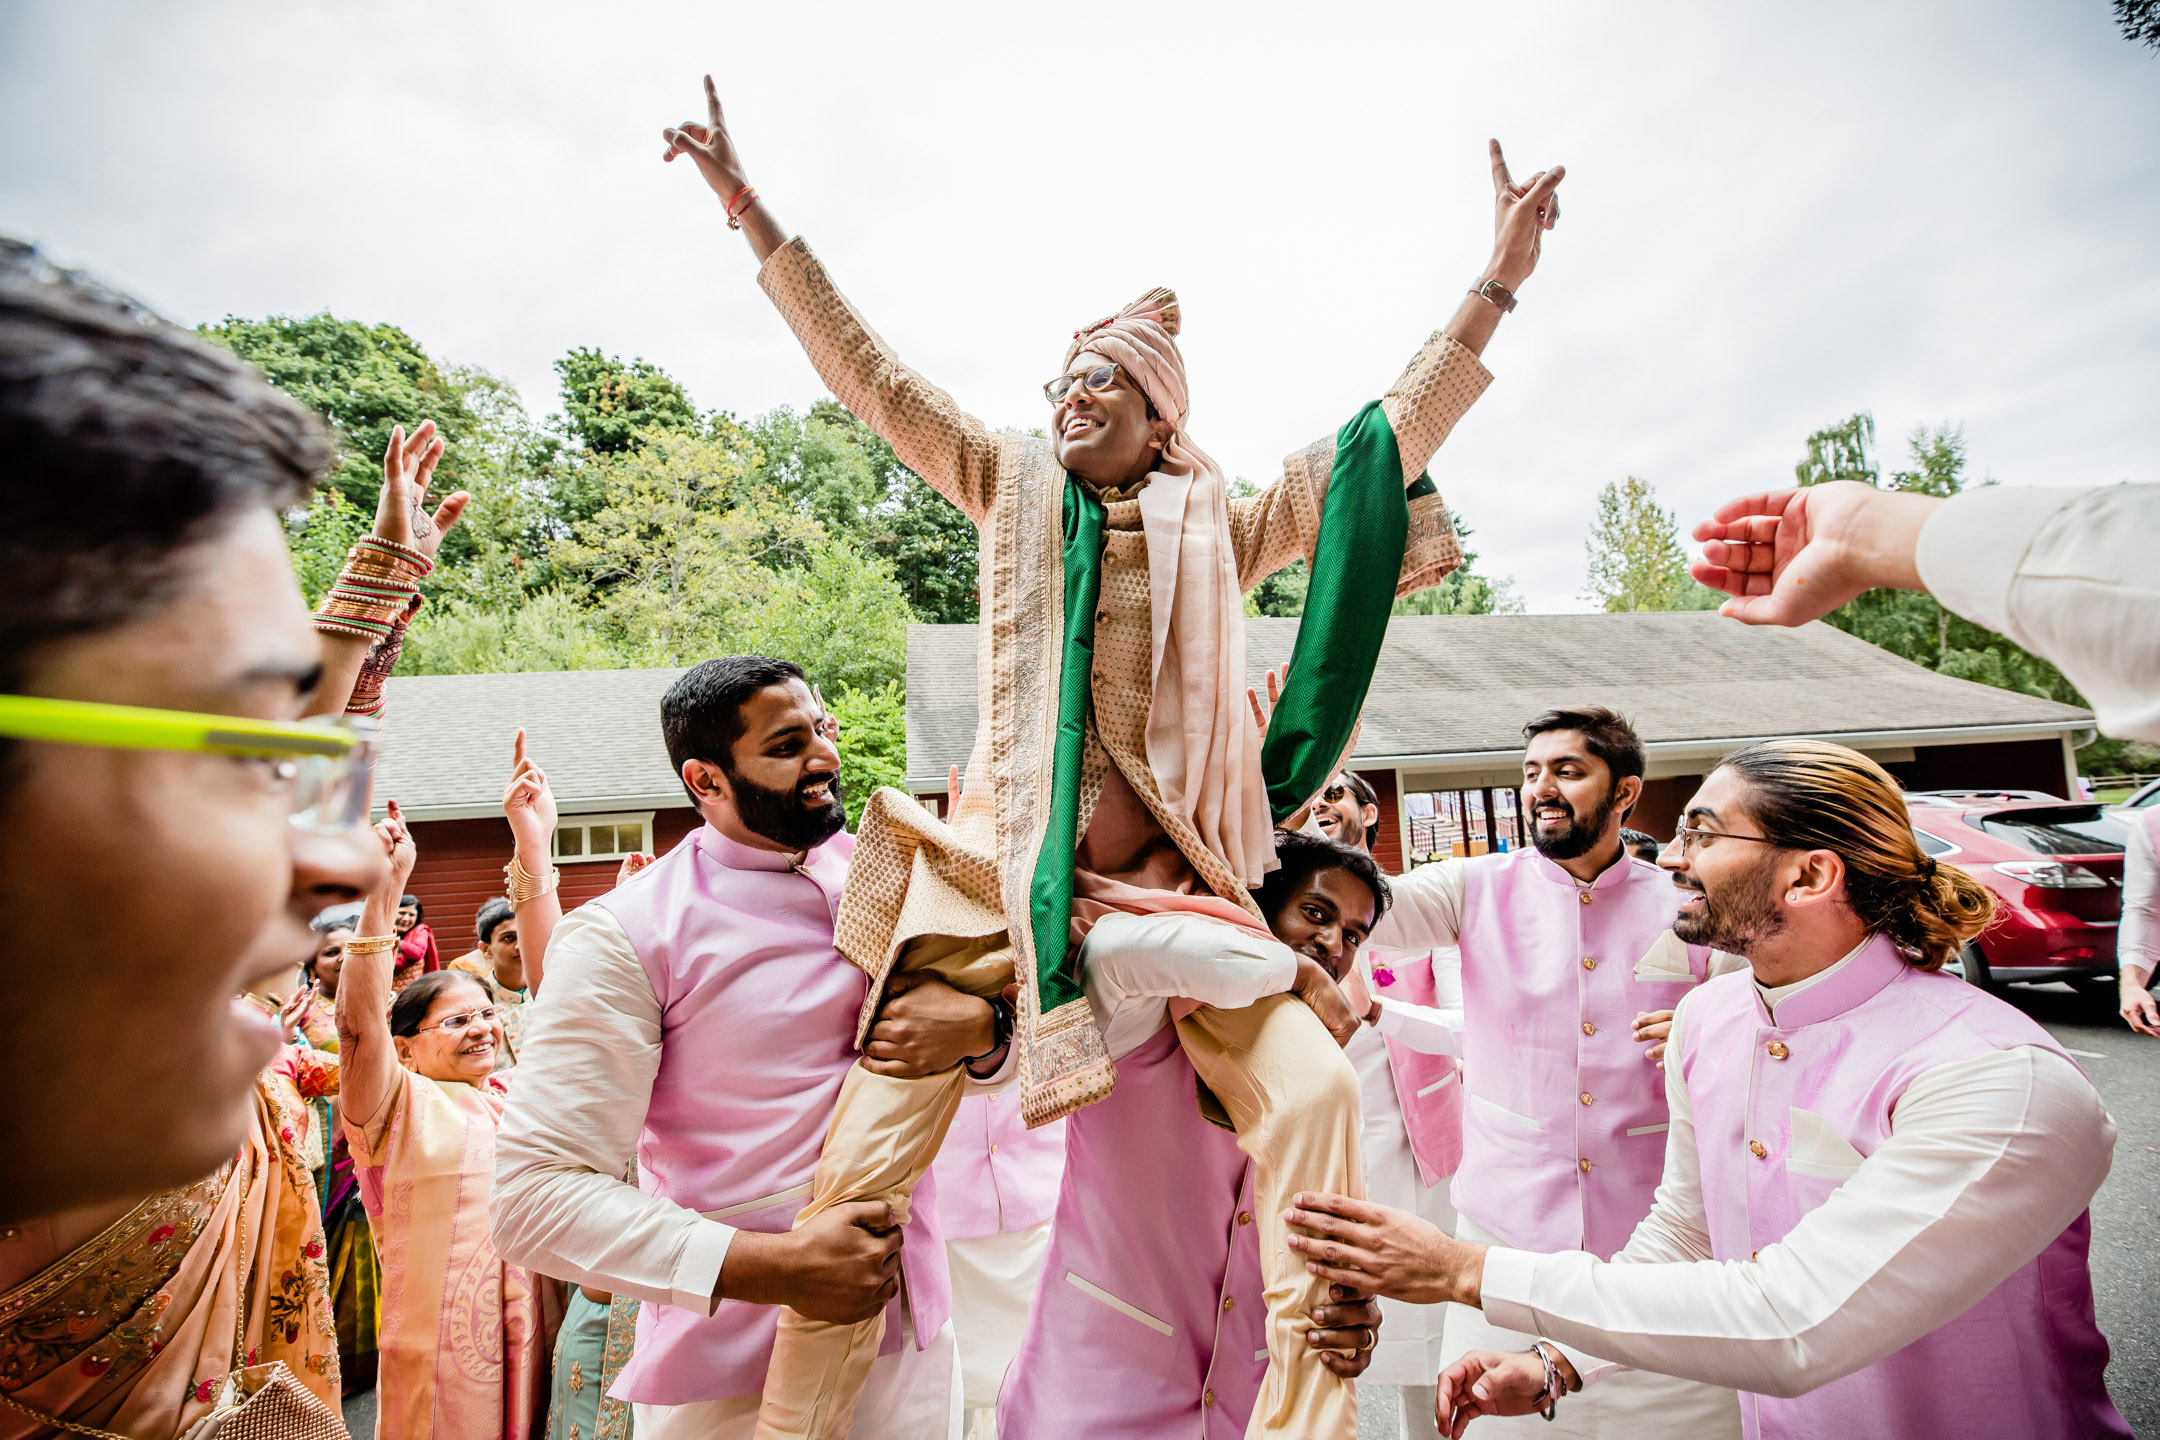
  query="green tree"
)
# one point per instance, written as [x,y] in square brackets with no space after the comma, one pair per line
[319,535]
[548,631]
[1636,562]
[362,380]
[608,405]
[674,549]
[873,742]
[1844,451]
[2140,21]
[840,616]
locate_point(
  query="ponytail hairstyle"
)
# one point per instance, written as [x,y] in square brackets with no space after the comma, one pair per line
[1811,795]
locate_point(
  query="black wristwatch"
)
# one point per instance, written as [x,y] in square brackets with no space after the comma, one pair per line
[1001,1030]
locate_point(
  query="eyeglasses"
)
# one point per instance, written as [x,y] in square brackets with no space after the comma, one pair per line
[1094,381]
[1334,794]
[463,1022]
[325,767]
[1690,837]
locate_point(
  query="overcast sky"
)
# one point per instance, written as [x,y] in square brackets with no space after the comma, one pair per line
[1775,214]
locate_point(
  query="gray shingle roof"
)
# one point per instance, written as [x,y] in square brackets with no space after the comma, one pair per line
[1463,684]
[446,740]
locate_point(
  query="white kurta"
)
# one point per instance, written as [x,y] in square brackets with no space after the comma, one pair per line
[2138,942]
[2014,1142]
[2069,575]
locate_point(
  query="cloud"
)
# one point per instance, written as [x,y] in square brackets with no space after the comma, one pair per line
[1774,215]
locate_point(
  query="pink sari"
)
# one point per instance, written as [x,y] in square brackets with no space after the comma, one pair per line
[462,1350]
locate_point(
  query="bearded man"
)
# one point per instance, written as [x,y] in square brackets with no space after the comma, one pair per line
[1117,768]
[1570,969]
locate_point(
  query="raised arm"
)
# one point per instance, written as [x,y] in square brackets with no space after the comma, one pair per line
[403,518]
[367,1058]
[1434,391]
[529,806]
[931,434]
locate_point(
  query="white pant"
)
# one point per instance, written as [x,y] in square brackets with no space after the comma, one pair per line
[993,1286]
[1622,1406]
[910,1395]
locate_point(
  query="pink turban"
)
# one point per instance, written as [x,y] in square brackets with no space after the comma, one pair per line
[1143,338]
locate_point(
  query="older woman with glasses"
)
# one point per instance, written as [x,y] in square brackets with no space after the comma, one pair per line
[461,1343]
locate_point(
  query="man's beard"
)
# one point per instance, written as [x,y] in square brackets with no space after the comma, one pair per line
[783,817]
[1579,834]
[1349,829]
[1741,915]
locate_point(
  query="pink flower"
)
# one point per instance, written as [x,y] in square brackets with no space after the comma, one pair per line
[204,1391]
[285,1133]
[253,1353]
[160,1235]
[313,1249]
[95,1365]
[1382,975]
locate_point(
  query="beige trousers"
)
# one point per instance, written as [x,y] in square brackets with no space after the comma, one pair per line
[1287,1088]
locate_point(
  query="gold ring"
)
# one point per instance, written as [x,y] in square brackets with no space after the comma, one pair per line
[1372,1338]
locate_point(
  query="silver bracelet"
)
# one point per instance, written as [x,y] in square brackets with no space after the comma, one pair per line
[1555,1387]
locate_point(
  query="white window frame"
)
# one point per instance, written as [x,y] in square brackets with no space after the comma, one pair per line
[641,818]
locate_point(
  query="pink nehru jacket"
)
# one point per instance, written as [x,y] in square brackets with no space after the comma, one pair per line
[1564,1120]
[757,1014]
[994,1175]
[1428,1087]
[2028,1360]
[1149,1321]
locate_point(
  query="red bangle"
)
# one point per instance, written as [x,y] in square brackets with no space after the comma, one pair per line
[734,216]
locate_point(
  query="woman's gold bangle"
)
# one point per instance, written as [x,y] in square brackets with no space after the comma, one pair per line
[370,944]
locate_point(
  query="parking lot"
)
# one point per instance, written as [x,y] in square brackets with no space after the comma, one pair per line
[2126,1271]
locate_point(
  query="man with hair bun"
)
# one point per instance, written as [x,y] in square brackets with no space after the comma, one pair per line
[1873,1214]
[1569,973]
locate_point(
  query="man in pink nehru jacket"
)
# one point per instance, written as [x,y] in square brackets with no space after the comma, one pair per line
[1873,1214]
[1570,971]
[699,1018]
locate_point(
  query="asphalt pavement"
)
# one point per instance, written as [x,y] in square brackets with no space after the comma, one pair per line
[2126,1278]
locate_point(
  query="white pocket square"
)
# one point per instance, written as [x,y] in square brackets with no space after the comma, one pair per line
[1818,1150]
[1667,960]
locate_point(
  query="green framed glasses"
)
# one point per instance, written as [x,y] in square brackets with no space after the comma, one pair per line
[326,767]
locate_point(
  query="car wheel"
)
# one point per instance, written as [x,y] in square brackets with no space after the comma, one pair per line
[1975,966]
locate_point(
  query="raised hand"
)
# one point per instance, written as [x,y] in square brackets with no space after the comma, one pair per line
[710,146]
[528,803]
[1261,714]
[1521,215]
[398,849]
[631,864]
[401,511]
[1791,556]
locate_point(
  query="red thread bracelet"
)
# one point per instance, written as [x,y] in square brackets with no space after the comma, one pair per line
[734,216]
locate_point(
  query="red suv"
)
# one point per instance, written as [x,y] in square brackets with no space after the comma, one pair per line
[2055,867]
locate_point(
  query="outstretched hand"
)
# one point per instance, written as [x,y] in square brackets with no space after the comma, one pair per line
[1383,1251]
[398,849]
[401,510]
[1791,556]
[1521,215]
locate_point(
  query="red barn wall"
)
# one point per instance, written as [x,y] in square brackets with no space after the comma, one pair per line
[1385,837]
[460,868]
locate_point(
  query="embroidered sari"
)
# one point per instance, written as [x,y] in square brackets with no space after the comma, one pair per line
[133,1330]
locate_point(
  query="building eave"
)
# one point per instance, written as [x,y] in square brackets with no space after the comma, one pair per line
[577,805]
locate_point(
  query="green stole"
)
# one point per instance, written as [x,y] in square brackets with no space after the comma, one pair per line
[1364,525]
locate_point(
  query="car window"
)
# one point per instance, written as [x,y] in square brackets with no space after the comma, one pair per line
[1932,844]
[2061,830]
